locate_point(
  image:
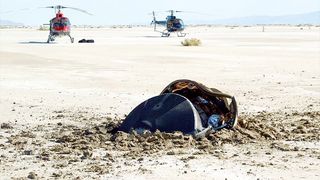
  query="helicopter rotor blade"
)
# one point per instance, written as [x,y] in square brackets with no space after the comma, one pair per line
[64,7]
[49,7]
[199,13]
[55,7]
[173,11]
[189,12]
[77,9]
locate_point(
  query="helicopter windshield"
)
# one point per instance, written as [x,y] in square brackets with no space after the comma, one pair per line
[63,21]
[60,23]
[178,24]
[175,25]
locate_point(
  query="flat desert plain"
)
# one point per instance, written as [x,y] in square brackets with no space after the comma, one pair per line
[59,101]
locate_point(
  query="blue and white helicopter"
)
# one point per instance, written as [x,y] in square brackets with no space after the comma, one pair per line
[172,24]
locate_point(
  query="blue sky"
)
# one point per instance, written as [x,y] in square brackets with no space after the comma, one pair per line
[108,12]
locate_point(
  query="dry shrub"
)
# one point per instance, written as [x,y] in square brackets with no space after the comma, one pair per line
[191,42]
[44,28]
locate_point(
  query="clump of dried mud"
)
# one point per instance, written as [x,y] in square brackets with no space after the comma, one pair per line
[81,142]
[64,146]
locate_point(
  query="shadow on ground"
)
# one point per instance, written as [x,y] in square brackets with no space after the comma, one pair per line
[36,42]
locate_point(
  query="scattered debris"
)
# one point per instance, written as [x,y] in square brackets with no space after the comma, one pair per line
[86,41]
[32,175]
[5,126]
[28,152]
[70,145]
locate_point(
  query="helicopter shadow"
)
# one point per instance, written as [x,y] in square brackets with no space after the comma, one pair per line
[151,36]
[35,42]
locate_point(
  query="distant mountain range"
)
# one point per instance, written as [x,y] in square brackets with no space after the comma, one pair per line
[9,23]
[307,18]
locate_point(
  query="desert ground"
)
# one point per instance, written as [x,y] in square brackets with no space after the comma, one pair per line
[59,101]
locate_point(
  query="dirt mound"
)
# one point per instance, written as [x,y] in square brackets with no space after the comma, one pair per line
[80,142]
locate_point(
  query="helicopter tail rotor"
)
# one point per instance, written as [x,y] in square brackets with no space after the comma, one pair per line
[154,21]
[154,18]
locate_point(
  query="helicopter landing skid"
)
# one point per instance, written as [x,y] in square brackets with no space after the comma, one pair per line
[180,34]
[165,34]
[52,38]
[71,38]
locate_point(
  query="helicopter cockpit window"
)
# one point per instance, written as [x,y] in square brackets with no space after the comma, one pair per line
[56,25]
[61,24]
[175,24]
[65,22]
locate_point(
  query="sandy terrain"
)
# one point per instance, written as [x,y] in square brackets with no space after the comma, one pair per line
[58,102]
